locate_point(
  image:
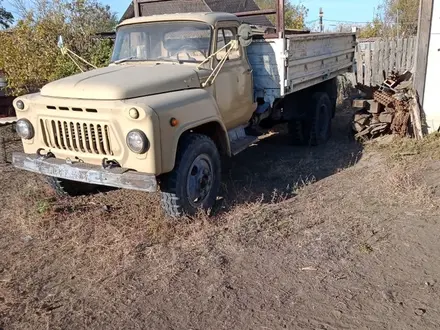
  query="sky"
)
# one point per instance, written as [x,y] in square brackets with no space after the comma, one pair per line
[340,10]
[334,10]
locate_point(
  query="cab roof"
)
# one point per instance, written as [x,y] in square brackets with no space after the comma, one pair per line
[210,18]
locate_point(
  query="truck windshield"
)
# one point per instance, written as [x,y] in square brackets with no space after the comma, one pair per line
[163,41]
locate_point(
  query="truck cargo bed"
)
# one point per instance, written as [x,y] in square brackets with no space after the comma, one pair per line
[286,65]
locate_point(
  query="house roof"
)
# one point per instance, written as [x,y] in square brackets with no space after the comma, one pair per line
[206,17]
[193,6]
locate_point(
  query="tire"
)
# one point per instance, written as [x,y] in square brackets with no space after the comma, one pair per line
[321,121]
[332,92]
[267,123]
[315,129]
[197,162]
[297,130]
[64,187]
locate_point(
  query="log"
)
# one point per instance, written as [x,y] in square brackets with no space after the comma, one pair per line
[386,117]
[381,128]
[376,107]
[415,115]
[375,119]
[358,127]
[361,104]
[362,119]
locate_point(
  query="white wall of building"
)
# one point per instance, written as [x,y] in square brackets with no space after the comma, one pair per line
[431,100]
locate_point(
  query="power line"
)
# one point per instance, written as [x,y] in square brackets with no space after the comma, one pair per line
[354,22]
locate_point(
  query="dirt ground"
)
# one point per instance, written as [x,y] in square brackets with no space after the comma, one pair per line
[342,236]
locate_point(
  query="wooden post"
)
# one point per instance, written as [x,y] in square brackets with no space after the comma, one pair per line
[368,68]
[136,8]
[380,78]
[280,18]
[411,54]
[399,55]
[392,55]
[422,46]
[360,67]
[375,80]
[404,54]
[386,62]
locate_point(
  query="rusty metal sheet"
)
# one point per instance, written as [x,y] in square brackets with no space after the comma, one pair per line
[116,177]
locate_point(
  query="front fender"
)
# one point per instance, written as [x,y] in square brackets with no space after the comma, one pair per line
[191,108]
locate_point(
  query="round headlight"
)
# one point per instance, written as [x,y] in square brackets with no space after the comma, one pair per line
[24,129]
[137,141]
[20,104]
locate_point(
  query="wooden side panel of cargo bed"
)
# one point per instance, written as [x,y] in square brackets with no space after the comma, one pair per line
[314,58]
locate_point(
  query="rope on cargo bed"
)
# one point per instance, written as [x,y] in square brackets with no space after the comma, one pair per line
[233,44]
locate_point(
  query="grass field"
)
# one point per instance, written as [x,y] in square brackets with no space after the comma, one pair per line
[343,236]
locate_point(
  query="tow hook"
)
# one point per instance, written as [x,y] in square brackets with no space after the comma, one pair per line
[77,159]
[109,164]
[45,156]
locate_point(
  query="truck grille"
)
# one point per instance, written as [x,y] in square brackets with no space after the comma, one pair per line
[77,136]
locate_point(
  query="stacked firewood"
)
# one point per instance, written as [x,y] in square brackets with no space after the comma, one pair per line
[388,112]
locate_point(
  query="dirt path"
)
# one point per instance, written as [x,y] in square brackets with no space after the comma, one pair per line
[358,249]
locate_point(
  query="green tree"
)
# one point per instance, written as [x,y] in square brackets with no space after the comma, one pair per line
[6,18]
[396,18]
[29,54]
[373,29]
[294,15]
[401,16]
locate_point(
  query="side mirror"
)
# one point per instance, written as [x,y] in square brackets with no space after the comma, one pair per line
[245,35]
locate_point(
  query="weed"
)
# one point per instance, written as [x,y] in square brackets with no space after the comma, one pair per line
[301,183]
[43,207]
[365,248]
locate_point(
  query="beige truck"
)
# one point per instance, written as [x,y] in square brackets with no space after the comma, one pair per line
[181,91]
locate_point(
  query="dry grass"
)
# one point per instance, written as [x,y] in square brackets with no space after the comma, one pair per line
[403,181]
[299,236]
[401,148]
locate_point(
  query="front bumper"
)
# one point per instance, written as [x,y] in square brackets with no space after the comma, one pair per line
[82,172]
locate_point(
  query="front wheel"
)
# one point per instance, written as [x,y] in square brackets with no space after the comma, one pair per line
[195,180]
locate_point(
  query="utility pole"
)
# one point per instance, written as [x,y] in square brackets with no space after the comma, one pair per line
[321,16]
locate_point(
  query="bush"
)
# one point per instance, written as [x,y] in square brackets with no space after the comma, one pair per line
[29,55]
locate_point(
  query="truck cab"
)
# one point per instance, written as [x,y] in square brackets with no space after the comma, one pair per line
[179,93]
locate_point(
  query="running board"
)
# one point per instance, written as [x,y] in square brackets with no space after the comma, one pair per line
[239,140]
[240,145]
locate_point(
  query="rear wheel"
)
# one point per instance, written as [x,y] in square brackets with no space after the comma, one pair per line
[297,129]
[195,180]
[322,113]
[63,187]
[315,128]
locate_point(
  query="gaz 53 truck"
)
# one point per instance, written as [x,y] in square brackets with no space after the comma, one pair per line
[182,90]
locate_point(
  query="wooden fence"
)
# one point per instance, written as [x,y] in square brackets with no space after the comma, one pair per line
[383,55]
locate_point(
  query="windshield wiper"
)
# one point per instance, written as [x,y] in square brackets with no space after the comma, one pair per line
[136,59]
[126,59]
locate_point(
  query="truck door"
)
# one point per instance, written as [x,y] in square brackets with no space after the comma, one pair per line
[233,86]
